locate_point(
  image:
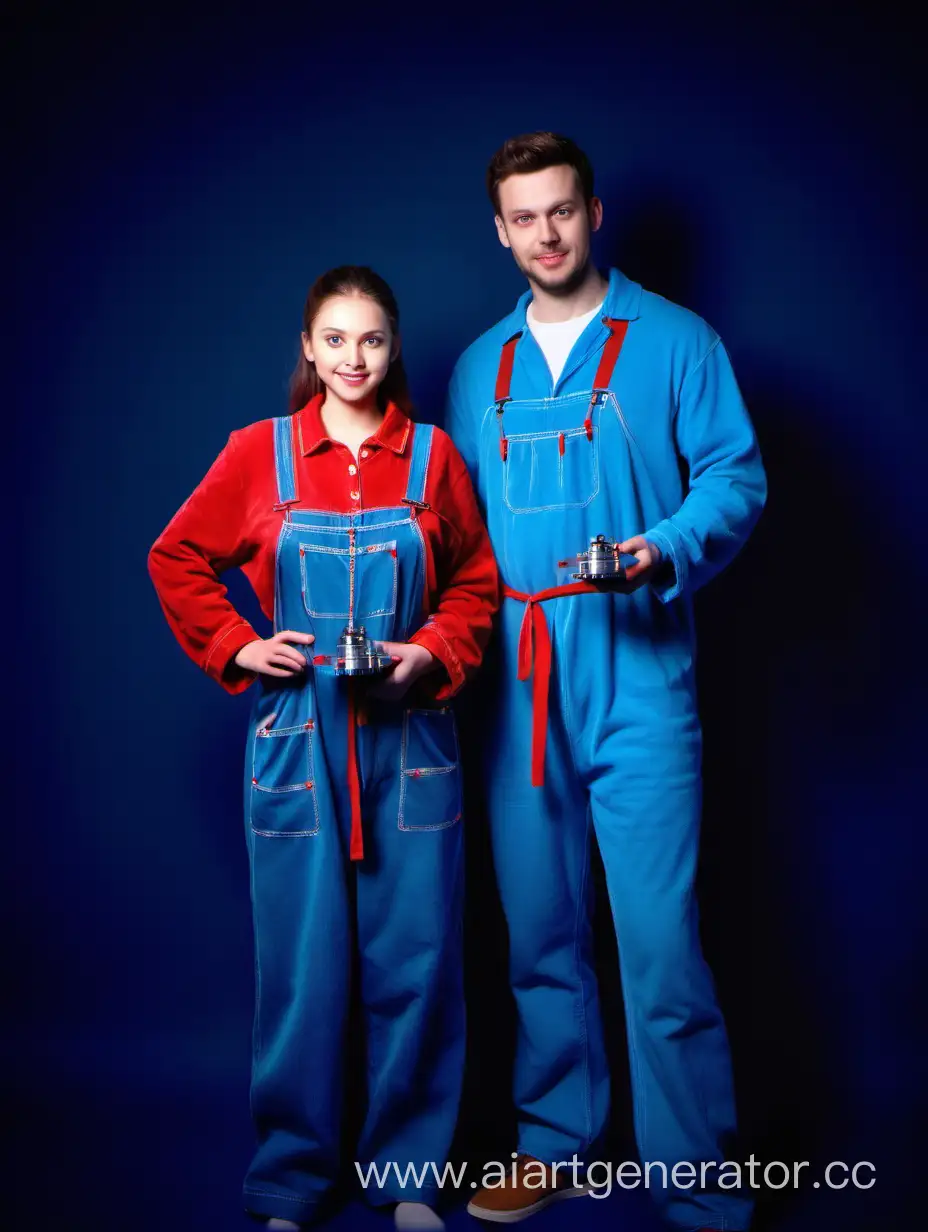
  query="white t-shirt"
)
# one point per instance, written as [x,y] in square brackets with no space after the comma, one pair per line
[556,338]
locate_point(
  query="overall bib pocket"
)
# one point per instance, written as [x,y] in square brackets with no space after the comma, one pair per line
[326,581]
[283,795]
[431,795]
[551,470]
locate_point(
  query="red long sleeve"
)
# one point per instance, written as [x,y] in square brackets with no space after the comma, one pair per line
[204,538]
[230,521]
[466,584]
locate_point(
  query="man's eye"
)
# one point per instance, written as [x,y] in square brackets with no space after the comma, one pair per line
[565,210]
[524,218]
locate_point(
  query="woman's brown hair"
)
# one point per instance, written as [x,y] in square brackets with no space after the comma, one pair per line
[350,280]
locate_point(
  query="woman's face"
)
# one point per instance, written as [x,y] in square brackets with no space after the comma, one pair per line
[352,345]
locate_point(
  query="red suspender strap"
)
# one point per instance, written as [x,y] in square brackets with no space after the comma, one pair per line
[607,363]
[610,355]
[503,382]
[356,849]
[504,376]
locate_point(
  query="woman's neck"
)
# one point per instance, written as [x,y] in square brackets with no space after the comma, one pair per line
[351,424]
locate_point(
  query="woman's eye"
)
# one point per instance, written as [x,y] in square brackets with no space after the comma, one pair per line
[333,339]
[373,341]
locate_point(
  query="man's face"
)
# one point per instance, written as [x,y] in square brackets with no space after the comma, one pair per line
[545,221]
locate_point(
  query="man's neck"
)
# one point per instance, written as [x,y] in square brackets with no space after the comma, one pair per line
[548,308]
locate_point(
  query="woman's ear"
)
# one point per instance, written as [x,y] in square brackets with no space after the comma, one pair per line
[307,349]
[396,348]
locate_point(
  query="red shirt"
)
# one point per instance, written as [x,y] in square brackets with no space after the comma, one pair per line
[229,521]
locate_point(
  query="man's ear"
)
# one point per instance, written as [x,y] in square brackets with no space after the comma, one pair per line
[501,232]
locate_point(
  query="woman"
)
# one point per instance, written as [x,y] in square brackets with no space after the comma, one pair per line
[345,513]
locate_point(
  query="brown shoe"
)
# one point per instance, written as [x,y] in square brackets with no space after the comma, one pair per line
[531,1192]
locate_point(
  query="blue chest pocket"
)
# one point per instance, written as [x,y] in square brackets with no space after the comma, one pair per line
[326,580]
[551,470]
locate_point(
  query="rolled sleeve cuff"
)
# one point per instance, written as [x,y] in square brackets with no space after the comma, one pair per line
[430,637]
[669,578]
[220,659]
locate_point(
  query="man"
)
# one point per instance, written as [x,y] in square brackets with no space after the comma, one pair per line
[579,415]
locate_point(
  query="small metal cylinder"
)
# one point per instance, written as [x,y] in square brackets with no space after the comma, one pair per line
[357,655]
[601,562]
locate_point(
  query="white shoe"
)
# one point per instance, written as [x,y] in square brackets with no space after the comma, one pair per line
[416,1217]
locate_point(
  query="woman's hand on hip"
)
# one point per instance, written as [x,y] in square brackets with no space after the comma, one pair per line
[410,662]
[273,656]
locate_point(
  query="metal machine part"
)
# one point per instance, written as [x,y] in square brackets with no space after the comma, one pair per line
[356,655]
[601,562]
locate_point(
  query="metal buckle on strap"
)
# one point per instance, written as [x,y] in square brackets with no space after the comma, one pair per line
[416,506]
[503,441]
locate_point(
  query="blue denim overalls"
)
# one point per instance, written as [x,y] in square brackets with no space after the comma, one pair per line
[322,770]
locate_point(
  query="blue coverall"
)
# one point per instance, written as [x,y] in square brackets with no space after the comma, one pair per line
[620,748]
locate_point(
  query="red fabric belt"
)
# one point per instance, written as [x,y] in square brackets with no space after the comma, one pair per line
[535,653]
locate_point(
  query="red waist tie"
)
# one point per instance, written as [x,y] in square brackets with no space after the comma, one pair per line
[535,651]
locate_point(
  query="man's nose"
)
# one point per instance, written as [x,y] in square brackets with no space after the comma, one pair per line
[548,232]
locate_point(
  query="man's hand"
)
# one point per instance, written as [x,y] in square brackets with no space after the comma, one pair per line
[647,556]
[411,661]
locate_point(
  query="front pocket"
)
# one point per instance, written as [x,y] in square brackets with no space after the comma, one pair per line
[551,470]
[283,794]
[430,768]
[326,581]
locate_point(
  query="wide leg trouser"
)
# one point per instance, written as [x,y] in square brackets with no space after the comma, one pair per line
[403,912]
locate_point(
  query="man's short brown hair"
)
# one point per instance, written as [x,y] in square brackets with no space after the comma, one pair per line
[535,152]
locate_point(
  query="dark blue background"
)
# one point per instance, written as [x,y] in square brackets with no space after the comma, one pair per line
[178,185]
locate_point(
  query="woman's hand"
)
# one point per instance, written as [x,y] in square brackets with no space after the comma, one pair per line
[411,661]
[272,656]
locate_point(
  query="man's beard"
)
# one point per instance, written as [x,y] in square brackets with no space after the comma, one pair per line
[565,288]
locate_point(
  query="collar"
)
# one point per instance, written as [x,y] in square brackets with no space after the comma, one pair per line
[392,434]
[623,300]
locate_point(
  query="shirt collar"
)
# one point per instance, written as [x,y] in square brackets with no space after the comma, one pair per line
[392,434]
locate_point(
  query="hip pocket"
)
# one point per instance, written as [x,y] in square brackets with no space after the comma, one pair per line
[283,794]
[430,769]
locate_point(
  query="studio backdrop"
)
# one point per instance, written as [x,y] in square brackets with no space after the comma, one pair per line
[177,190]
